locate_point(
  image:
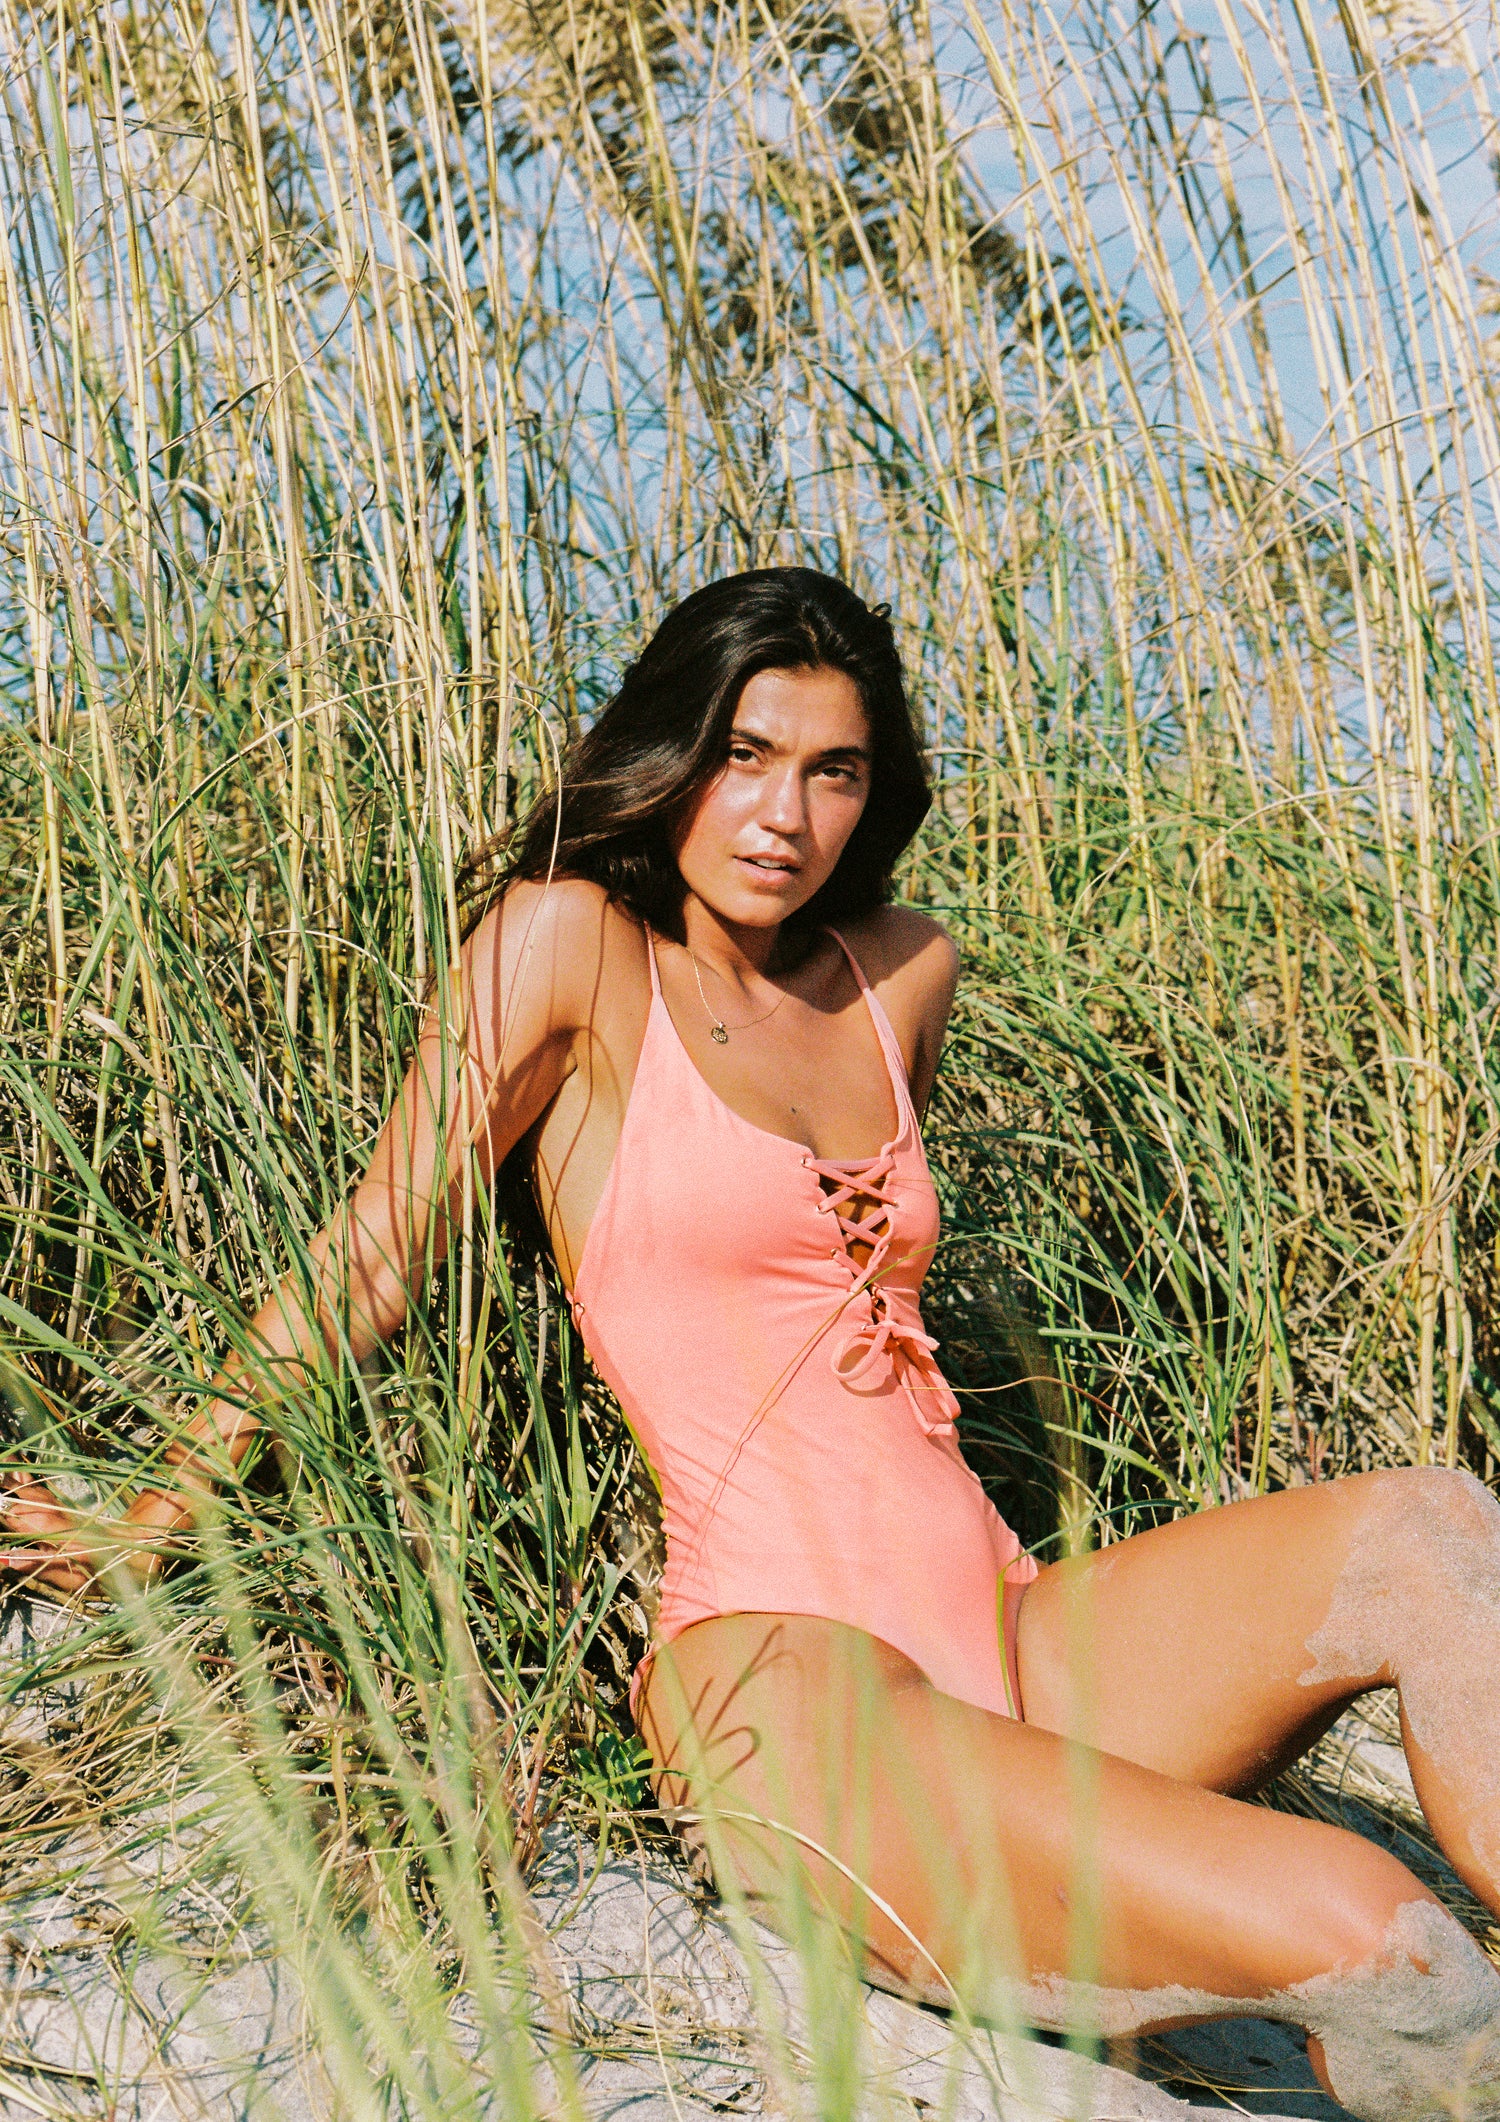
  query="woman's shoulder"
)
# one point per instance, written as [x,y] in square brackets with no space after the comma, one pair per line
[897,946]
[569,909]
[559,937]
[912,963]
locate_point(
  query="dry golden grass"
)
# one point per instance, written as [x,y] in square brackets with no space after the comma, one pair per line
[370,379]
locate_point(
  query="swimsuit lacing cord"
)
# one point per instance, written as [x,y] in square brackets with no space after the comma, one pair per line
[882,1334]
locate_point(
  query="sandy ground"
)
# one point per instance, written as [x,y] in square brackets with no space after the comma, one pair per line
[662,2007]
[663,2002]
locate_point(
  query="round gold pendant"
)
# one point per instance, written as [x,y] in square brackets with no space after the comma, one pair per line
[720,1035]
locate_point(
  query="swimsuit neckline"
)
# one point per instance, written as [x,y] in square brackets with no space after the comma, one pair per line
[769,1134]
[885,1038]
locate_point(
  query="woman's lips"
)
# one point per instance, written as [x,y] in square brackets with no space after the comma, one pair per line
[772,870]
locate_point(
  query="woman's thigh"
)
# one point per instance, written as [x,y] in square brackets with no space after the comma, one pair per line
[948,1838]
[1185,1650]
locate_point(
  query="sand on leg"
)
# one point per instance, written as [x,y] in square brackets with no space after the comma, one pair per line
[1034,1877]
[1217,1648]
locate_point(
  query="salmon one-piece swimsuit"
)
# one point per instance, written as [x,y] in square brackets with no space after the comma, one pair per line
[785,1396]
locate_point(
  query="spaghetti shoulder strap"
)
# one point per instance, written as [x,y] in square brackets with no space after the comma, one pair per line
[854,965]
[651,959]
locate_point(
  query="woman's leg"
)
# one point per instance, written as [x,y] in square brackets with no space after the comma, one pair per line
[1215,1649]
[976,1855]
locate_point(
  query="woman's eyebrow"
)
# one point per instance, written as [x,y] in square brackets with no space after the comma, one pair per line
[768,744]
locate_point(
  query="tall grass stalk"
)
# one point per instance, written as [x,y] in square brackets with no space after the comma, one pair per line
[371,379]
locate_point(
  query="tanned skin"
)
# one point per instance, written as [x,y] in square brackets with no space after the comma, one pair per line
[1159,1678]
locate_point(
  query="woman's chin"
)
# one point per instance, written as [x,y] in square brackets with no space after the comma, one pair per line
[750,905]
[759,909]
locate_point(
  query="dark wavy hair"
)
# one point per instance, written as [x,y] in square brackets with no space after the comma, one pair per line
[629,778]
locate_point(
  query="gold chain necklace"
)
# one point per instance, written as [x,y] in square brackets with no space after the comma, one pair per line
[718,1029]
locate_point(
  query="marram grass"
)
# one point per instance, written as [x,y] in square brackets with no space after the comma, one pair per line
[370,380]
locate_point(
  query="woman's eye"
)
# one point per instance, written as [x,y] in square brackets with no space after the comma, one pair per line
[741,755]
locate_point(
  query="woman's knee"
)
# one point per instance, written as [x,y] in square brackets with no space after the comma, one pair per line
[1418,1590]
[1412,2028]
[1429,1511]
[1345,1908]
[1404,2013]
[1405,1516]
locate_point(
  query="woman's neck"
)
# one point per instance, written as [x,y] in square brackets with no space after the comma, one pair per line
[736,950]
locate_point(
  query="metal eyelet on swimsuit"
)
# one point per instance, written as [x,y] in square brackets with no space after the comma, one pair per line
[784,1391]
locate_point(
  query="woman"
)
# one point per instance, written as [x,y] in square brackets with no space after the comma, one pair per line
[695,1023]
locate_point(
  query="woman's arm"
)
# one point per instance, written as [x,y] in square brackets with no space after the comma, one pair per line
[495,1049]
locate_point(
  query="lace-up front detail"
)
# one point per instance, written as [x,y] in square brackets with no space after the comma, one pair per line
[756,1311]
[879,1332]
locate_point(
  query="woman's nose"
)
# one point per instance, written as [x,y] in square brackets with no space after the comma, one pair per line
[785,804]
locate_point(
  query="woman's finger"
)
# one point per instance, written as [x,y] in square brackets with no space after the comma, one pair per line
[27,1505]
[70,1566]
[20,1480]
[46,1566]
[30,1521]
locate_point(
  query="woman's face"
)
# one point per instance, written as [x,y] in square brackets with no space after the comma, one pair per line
[768,829]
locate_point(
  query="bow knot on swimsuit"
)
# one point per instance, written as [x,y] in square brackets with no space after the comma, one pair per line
[866,1183]
[911,1351]
[770,1382]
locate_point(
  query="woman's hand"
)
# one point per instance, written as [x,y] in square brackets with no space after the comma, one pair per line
[488,1064]
[68,1550]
